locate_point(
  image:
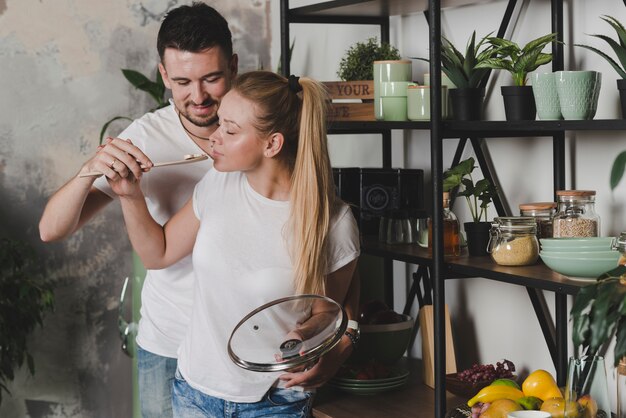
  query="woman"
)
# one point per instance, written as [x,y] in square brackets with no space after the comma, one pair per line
[263,224]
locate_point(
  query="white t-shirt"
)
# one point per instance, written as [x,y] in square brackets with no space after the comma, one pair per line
[241,262]
[167,294]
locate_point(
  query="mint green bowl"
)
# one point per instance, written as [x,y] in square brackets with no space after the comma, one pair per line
[604,242]
[384,343]
[597,249]
[603,254]
[580,267]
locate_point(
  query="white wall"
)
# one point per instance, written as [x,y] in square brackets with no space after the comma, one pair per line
[493,320]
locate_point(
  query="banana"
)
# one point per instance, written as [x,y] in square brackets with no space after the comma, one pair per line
[491,393]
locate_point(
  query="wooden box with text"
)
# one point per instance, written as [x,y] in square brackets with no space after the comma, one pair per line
[352,100]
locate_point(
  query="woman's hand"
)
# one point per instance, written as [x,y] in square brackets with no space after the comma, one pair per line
[323,370]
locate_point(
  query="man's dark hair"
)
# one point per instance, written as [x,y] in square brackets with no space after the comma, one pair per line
[194,28]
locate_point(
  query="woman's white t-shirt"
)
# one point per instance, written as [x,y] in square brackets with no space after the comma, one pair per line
[241,261]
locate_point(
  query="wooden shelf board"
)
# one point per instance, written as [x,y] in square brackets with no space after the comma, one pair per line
[372,8]
[536,275]
[415,400]
[485,129]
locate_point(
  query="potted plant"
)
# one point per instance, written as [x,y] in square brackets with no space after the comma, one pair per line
[24,299]
[619,47]
[598,316]
[478,196]
[519,102]
[156,90]
[467,75]
[358,62]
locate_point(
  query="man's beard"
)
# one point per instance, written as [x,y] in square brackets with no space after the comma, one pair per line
[202,122]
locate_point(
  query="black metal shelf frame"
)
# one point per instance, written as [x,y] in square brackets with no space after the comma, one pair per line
[555,332]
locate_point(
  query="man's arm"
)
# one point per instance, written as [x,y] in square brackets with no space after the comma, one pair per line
[78,201]
[70,208]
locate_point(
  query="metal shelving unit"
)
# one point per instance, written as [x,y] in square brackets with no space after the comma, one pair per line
[535,278]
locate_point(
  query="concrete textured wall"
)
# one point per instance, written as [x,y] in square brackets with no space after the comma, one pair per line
[60,80]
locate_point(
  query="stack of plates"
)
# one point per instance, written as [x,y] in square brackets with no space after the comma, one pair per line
[371,386]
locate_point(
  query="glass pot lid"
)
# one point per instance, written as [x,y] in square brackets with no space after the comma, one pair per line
[286,333]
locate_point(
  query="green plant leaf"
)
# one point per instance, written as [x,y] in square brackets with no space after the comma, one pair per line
[610,60]
[142,83]
[619,350]
[617,170]
[106,126]
[618,27]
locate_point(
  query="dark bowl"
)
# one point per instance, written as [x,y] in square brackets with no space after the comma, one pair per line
[464,389]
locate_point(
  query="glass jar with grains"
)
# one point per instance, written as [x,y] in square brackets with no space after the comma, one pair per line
[513,241]
[543,212]
[576,214]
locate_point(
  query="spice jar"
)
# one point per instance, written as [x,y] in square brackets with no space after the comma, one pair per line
[576,214]
[543,212]
[513,241]
[451,230]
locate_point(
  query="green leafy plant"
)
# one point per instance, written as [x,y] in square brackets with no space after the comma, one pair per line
[156,90]
[617,170]
[618,46]
[24,299]
[478,195]
[358,62]
[464,69]
[599,314]
[518,61]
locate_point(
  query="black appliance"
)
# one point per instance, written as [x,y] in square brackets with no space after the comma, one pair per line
[373,191]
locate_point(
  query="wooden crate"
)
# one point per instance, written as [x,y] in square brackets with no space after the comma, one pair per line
[340,110]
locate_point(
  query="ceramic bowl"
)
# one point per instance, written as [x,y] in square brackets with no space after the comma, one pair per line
[605,242]
[385,343]
[550,249]
[582,254]
[580,267]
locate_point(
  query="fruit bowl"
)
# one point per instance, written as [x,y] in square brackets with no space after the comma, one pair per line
[464,389]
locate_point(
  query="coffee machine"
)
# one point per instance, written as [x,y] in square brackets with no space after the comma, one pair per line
[371,192]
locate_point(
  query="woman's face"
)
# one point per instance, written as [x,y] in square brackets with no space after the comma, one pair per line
[236,144]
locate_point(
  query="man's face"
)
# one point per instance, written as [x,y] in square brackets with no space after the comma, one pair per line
[198,81]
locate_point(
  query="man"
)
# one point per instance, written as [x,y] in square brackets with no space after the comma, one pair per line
[197,64]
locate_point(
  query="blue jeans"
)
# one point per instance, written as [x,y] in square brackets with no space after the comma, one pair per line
[284,403]
[155,376]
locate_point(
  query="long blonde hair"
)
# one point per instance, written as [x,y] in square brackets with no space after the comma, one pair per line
[301,118]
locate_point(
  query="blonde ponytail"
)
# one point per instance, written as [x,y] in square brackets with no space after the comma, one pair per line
[301,118]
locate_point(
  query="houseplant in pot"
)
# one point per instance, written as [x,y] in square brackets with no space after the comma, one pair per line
[478,196]
[464,72]
[25,297]
[598,316]
[519,102]
[380,63]
[619,47]
[358,61]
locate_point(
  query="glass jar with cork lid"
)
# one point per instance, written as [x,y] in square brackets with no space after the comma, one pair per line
[576,214]
[543,212]
[513,241]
